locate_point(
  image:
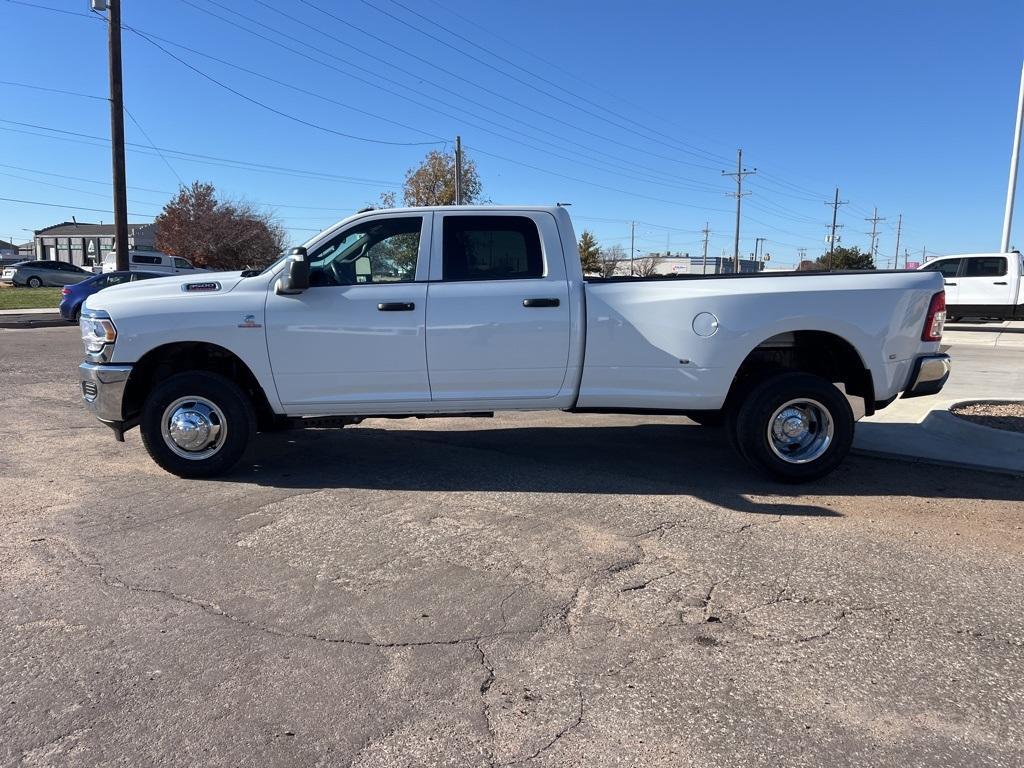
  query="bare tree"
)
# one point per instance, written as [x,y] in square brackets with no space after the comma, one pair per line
[611,258]
[645,267]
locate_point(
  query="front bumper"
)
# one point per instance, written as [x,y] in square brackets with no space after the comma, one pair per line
[928,375]
[103,391]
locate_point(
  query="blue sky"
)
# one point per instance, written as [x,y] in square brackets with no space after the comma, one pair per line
[629,112]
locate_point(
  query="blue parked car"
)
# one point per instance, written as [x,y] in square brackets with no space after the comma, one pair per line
[73,296]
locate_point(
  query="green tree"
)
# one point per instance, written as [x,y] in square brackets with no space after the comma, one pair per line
[846,258]
[590,253]
[432,182]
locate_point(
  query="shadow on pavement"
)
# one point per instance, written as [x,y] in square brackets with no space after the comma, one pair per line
[645,459]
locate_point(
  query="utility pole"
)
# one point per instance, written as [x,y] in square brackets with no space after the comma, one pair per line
[832,240]
[704,264]
[875,218]
[1014,161]
[758,242]
[113,8]
[458,170]
[899,227]
[801,254]
[632,244]
[738,194]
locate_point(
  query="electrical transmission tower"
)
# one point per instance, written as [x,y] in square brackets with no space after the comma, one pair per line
[738,194]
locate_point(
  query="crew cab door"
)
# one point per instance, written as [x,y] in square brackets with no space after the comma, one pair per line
[498,314]
[950,270]
[984,282]
[356,335]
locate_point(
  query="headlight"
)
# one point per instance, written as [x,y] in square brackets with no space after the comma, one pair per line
[97,332]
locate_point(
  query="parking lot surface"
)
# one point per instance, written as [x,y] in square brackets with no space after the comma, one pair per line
[533,589]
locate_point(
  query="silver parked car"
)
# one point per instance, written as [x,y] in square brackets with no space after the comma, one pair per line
[38,273]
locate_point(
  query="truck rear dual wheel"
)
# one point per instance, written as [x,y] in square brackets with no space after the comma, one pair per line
[793,427]
[197,424]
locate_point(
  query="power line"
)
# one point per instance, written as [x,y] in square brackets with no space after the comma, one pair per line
[269,108]
[161,154]
[213,159]
[618,168]
[71,207]
[631,168]
[476,84]
[548,64]
[501,71]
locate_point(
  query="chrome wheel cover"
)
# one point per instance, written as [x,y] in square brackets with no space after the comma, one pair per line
[800,431]
[194,427]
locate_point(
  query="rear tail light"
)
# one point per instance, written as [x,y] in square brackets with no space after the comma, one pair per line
[65,291]
[936,318]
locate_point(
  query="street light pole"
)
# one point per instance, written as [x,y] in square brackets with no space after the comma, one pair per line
[1014,161]
[113,8]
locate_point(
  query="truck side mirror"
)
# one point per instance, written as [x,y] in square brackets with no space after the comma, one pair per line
[296,273]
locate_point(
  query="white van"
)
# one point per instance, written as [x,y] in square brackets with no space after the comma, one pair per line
[150,261]
[986,285]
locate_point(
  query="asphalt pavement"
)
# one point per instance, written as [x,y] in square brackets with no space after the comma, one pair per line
[533,589]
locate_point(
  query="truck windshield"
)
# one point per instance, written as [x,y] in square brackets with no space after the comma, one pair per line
[271,266]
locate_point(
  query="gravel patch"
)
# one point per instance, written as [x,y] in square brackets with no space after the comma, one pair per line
[995,414]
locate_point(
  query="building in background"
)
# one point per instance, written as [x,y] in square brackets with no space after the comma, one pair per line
[85,244]
[684,264]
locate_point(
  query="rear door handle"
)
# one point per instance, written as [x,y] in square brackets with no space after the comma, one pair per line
[949,283]
[999,282]
[541,302]
[396,306]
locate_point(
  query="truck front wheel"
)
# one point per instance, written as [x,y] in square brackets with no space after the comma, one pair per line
[794,427]
[197,424]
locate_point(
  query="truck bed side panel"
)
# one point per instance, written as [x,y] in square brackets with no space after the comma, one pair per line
[645,347]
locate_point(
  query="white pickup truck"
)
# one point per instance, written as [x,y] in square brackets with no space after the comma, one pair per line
[982,284]
[456,310]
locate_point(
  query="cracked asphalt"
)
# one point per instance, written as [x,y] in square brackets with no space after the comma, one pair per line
[529,590]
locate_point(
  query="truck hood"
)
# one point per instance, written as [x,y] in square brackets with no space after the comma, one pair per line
[178,287]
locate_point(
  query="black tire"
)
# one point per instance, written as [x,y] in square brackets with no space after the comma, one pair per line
[76,316]
[757,412]
[34,282]
[236,417]
[707,418]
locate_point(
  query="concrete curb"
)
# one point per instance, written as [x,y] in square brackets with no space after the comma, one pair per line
[937,462]
[945,440]
[945,423]
[30,311]
[38,320]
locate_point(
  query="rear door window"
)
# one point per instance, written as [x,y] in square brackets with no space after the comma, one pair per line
[986,266]
[491,248]
[948,267]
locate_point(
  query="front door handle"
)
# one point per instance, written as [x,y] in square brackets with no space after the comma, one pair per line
[541,302]
[396,306]
[949,283]
[999,282]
